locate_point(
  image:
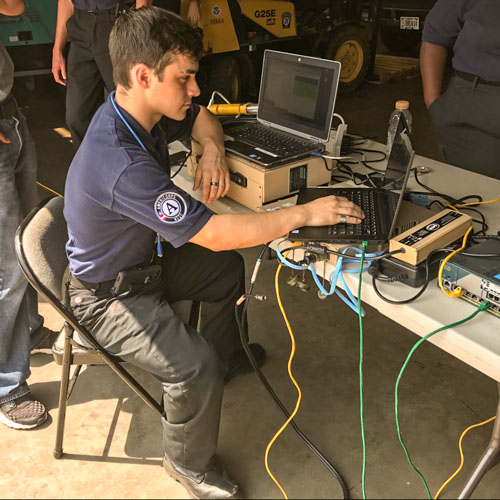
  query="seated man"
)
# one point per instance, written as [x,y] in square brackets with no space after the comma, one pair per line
[119,201]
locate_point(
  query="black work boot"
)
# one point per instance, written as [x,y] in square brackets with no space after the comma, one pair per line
[239,364]
[214,483]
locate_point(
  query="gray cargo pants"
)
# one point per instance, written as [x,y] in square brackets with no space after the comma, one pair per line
[143,330]
[466,120]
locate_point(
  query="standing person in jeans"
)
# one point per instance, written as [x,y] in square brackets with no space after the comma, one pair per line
[20,323]
[466,117]
[120,179]
[86,24]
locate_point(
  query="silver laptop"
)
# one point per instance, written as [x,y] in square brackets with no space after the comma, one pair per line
[295,110]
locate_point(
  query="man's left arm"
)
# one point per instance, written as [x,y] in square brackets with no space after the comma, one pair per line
[11,7]
[142,3]
[212,168]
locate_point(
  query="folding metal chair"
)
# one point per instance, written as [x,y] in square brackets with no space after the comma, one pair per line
[40,248]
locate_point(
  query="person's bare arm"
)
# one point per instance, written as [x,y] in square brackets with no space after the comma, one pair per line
[142,3]
[193,15]
[11,7]
[65,10]
[231,231]
[432,66]
[212,165]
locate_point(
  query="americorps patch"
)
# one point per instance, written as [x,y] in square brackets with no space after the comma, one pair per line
[170,207]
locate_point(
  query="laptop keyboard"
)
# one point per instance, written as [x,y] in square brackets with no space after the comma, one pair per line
[364,198]
[275,142]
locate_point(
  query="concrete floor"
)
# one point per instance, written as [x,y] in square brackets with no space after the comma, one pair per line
[113,441]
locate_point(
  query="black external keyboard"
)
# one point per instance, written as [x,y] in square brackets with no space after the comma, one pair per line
[273,141]
[364,198]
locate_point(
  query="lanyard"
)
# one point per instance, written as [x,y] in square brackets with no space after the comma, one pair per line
[159,247]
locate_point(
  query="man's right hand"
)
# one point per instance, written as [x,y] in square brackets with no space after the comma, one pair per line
[58,67]
[231,231]
[329,210]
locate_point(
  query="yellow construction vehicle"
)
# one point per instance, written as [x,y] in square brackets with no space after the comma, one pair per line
[235,34]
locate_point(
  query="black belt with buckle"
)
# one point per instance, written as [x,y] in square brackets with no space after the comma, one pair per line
[102,287]
[469,77]
[127,282]
[113,11]
[8,108]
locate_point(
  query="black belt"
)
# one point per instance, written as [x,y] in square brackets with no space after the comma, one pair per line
[127,282]
[474,79]
[111,12]
[8,108]
[103,286]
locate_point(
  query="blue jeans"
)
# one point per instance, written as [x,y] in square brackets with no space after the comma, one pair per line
[18,300]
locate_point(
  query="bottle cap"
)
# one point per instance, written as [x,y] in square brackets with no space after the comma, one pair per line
[402,105]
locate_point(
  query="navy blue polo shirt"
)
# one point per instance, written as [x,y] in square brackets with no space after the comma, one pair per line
[471,28]
[118,196]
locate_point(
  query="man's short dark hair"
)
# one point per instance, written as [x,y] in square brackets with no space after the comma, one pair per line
[151,36]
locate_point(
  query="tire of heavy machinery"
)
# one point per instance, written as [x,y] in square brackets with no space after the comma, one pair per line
[400,42]
[224,76]
[349,45]
[249,88]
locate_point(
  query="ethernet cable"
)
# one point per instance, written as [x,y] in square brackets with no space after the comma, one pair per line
[482,307]
[462,459]
[350,300]
[459,290]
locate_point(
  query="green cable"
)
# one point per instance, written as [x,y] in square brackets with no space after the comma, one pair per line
[363,473]
[482,307]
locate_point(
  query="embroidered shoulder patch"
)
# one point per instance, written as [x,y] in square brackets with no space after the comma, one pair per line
[170,207]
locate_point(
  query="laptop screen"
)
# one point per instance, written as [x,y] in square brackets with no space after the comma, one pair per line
[399,157]
[399,166]
[297,93]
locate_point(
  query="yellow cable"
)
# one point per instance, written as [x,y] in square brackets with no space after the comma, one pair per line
[459,290]
[473,203]
[462,460]
[48,189]
[299,397]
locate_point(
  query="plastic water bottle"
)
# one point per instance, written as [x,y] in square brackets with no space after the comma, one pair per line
[401,107]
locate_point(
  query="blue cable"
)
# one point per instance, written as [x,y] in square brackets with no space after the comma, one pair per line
[350,300]
[159,247]
[352,271]
[333,289]
[288,263]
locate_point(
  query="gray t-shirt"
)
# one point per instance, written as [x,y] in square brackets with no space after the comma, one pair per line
[6,73]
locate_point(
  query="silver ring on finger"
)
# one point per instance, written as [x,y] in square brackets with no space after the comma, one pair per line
[342,219]
[214,184]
